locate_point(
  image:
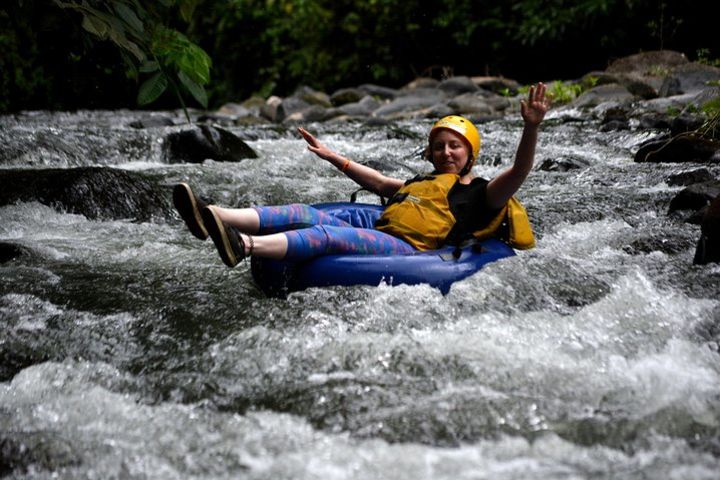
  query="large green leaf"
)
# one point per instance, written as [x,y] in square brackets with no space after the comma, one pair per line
[197,91]
[95,26]
[152,88]
[129,17]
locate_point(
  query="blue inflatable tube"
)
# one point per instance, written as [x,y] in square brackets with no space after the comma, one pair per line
[438,268]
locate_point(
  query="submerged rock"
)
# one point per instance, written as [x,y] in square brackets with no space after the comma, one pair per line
[11,251]
[96,192]
[690,177]
[206,142]
[695,196]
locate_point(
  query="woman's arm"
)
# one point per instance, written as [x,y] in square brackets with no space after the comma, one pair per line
[504,186]
[366,177]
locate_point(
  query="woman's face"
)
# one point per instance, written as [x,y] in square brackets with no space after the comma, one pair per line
[449,152]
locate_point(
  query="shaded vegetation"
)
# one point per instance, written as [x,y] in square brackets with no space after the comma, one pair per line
[66,58]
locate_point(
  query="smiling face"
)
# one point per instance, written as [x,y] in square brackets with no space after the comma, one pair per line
[449,151]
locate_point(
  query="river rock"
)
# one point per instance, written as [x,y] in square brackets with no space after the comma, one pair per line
[364,108]
[206,142]
[347,95]
[678,149]
[454,86]
[468,103]
[378,91]
[270,108]
[685,123]
[10,251]
[313,97]
[288,106]
[421,83]
[692,77]
[653,62]
[152,122]
[690,177]
[695,196]
[708,247]
[410,102]
[96,192]
[500,85]
[601,94]
[654,121]
[563,164]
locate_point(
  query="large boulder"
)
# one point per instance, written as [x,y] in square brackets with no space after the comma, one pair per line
[695,197]
[501,85]
[656,63]
[708,248]
[692,77]
[204,142]
[411,102]
[454,86]
[96,192]
[612,92]
[679,149]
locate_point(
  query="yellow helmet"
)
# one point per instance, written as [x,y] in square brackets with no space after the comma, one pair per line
[460,125]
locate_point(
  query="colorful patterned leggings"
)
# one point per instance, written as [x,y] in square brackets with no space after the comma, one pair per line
[311,232]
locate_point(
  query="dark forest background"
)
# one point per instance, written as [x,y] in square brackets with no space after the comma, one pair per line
[49,58]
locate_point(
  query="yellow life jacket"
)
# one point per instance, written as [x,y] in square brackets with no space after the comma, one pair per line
[419,213]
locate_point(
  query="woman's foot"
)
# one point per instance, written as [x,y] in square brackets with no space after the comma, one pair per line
[189,207]
[227,240]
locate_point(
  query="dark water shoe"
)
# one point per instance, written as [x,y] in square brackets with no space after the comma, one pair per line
[189,207]
[227,240]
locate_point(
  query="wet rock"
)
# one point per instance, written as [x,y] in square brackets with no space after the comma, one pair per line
[364,108]
[96,192]
[654,121]
[604,93]
[152,122]
[22,451]
[708,247]
[670,87]
[270,108]
[234,110]
[347,95]
[690,177]
[313,97]
[643,87]
[563,164]
[615,118]
[206,142]
[695,196]
[692,77]
[10,251]
[421,83]
[678,149]
[409,102]
[470,103]
[454,86]
[288,106]
[685,123]
[652,62]
[500,85]
[378,91]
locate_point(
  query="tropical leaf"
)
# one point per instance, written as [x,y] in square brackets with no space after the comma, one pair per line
[149,66]
[152,88]
[197,91]
[95,26]
[129,17]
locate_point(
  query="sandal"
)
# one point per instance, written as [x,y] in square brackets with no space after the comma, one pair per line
[189,207]
[227,240]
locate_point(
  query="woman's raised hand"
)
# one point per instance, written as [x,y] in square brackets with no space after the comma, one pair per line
[316,147]
[537,104]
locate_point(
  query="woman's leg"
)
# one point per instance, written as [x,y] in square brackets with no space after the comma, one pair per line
[319,240]
[266,220]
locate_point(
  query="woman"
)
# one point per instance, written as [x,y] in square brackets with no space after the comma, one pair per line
[426,212]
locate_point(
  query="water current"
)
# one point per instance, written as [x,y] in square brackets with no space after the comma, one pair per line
[134,353]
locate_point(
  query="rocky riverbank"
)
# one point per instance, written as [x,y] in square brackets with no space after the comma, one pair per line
[661,92]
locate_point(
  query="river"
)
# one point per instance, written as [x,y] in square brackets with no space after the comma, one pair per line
[133,352]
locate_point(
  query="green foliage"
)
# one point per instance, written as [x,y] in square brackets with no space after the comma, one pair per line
[703,56]
[149,46]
